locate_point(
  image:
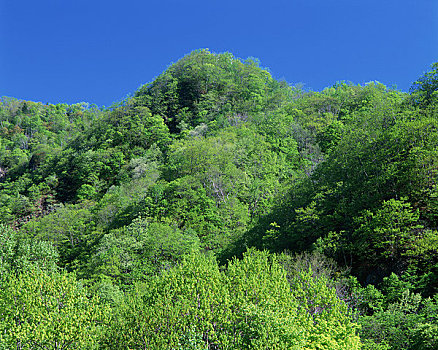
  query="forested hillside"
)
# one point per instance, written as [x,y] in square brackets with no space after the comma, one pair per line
[220,208]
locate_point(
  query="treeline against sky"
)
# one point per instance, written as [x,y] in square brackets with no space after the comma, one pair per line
[219,208]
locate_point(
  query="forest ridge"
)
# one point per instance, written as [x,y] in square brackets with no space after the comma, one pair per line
[220,208]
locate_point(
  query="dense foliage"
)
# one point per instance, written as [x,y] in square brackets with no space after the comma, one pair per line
[163,221]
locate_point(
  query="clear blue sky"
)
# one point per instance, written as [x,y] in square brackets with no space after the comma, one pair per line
[100,51]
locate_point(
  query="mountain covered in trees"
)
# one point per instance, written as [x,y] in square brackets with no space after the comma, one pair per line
[220,208]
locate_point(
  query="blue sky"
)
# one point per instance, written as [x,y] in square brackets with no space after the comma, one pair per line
[99,51]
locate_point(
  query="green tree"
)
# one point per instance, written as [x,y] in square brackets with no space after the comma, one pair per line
[141,249]
[50,311]
[424,90]
[250,305]
[69,228]
[20,254]
[389,232]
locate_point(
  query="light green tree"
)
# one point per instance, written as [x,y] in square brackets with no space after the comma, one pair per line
[249,305]
[40,310]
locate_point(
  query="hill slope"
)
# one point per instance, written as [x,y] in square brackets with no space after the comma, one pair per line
[215,156]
